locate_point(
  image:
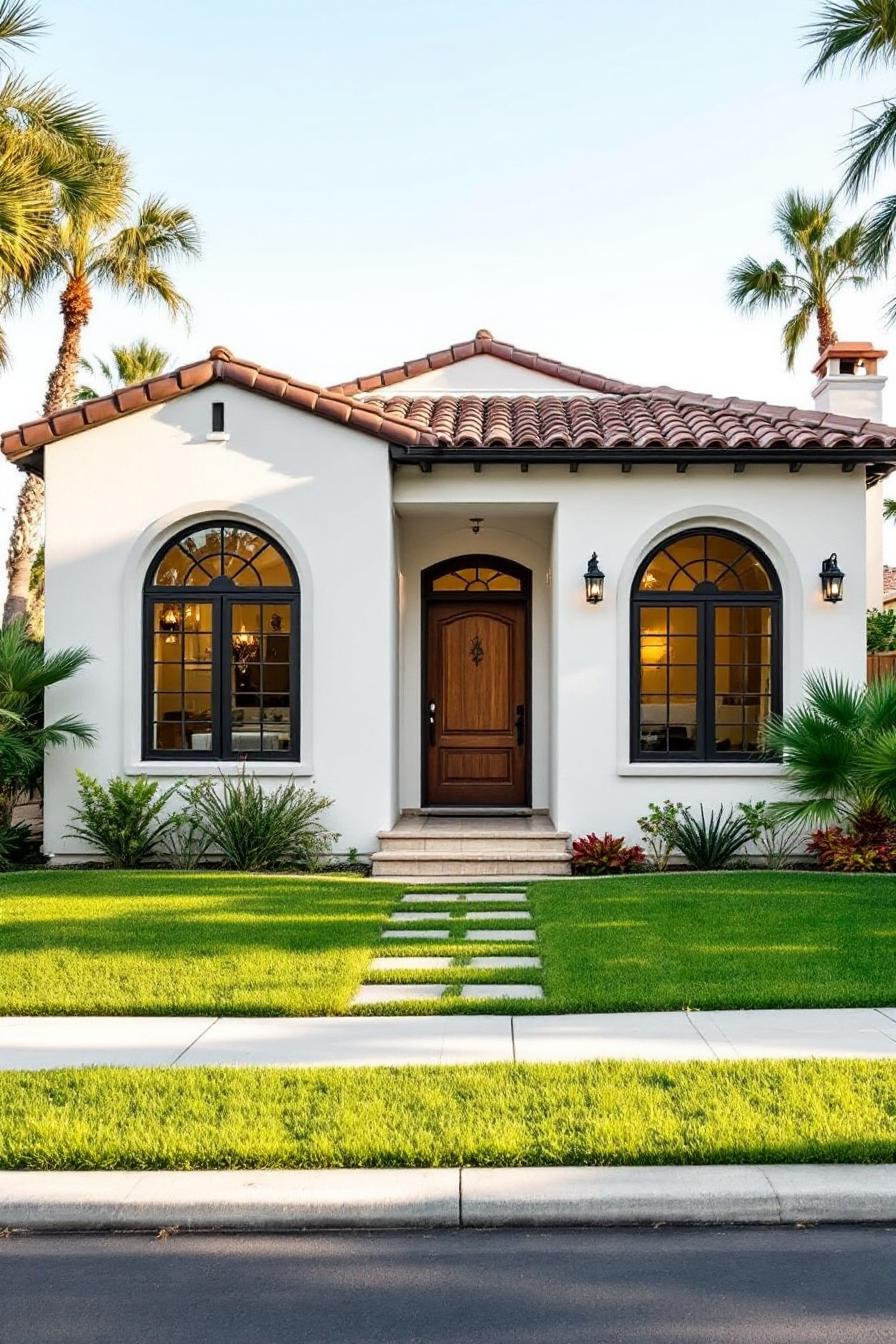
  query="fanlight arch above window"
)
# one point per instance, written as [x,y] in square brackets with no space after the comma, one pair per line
[706,562]
[222,556]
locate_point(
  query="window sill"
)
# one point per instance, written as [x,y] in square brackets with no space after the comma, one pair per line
[193,769]
[703,769]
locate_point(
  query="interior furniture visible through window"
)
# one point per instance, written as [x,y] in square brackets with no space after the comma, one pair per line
[706,649]
[221,647]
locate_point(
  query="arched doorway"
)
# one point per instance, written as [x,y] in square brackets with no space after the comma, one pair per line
[476,683]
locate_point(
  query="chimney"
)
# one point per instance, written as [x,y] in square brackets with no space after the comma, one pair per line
[848,380]
[849,384]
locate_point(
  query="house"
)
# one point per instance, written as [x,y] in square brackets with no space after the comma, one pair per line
[889,588]
[380,588]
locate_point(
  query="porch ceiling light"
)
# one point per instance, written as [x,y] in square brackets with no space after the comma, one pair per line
[831,579]
[594,581]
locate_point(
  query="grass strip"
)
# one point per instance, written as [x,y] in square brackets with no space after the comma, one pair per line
[610,1113]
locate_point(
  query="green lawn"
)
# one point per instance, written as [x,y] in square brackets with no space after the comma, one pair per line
[607,1113]
[157,942]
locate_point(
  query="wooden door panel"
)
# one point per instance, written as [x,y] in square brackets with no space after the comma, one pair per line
[476,703]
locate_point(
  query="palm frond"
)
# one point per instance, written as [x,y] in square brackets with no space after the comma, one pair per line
[803,222]
[46,107]
[856,34]
[132,259]
[879,231]
[19,23]
[837,699]
[754,287]
[890,510]
[141,359]
[796,329]
[871,147]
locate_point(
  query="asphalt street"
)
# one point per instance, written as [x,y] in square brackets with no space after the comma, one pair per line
[655,1286]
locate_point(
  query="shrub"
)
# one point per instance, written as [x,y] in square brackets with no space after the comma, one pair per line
[658,830]
[17,843]
[187,842]
[592,856]
[776,839]
[880,629]
[710,842]
[840,852]
[124,820]
[255,830]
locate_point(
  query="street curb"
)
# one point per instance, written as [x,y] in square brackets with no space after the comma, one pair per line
[450,1197]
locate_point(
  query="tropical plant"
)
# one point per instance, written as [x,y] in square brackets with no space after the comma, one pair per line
[658,832]
[821,261]
[255,830]
[860,36]
[593,857]
[710,841]
[17,844]
[839,750]
[840,852]
[776,840]
[880,631]
[129,364]
[26,670]
[890,510]
[125,820]
[187,842]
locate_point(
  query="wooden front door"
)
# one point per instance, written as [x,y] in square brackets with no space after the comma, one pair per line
[476,712]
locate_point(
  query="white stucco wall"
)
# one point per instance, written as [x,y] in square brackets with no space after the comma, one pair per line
[113,496]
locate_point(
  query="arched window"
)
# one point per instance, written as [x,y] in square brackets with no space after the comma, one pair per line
[221,623]
[706,649]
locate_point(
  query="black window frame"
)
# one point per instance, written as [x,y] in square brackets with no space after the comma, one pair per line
[221,593]
[705,599]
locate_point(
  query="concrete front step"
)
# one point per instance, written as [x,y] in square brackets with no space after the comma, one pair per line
[445,862]
[481,843]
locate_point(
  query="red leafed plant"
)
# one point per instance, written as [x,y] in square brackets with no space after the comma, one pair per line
[839,851]
[592,856]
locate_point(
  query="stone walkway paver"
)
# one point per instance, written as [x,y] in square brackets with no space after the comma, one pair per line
[459,917]
[803,1033]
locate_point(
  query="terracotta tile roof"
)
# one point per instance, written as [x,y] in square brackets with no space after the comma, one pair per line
[220,367]
[483,343]
[660,419]
[621,420]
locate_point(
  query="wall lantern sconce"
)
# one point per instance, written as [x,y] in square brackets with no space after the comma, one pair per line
[831,579]
[594,581]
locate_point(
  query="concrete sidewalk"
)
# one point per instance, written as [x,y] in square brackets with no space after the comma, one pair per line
[445,1197]
[62,1042]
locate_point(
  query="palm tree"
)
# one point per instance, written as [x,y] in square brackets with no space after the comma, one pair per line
[820,262]
[890,510]
[26,671]
[860,35]
[43,135]
[839,751]
[129,364]
[124,252]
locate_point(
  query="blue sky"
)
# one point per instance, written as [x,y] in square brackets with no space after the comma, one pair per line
[374,182]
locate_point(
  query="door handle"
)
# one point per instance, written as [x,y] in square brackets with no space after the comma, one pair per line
[520,725]
[431,717]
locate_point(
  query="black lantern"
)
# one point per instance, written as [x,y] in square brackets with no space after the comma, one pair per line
[831,579]
[594,581]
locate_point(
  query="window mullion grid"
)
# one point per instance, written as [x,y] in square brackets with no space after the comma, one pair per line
[706,681]
[219,698]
